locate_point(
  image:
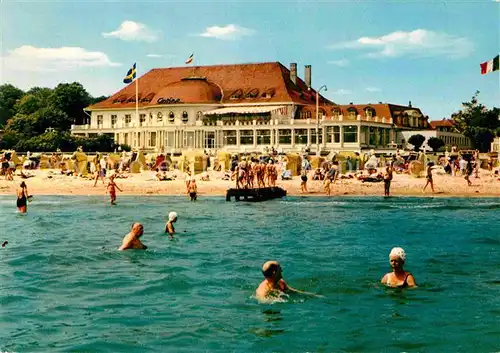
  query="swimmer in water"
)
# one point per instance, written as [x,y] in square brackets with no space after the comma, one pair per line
[274,284]
[112,189]
[132,239]
[22,198]
[398,278]
[169,227]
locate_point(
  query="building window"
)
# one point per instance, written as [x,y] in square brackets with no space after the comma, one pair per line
[372,138]
[369,113]
[199,116]
[99,120]
[142,119]
[387,136]
[229,137]
[333,134]
[301,136]
[189,139]
[246,137]
[350,133]
[313,136]
[125,138]
[114,118]
[152,139]
[128,119]
[263,137]
[185,116]
[335,114]
[159,117]
[352,114]
[305,114]
[171,117]
[285,137]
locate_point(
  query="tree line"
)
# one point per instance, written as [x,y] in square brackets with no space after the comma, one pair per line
[40,119]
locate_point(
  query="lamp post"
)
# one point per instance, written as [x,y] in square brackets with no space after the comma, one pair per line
[317,118]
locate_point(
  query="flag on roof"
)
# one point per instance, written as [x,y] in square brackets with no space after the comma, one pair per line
[131,74]
[190,59]
[490,66]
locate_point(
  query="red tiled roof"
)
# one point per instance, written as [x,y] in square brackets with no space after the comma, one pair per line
[442,123]
[240,83]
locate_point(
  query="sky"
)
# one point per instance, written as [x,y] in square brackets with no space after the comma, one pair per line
[426,52]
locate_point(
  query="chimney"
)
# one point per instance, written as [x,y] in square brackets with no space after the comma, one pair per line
[307,76]
[409,104]
[293,73]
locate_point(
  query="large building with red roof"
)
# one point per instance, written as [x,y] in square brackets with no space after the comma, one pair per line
[243,107]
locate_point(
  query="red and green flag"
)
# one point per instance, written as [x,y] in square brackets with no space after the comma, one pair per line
[490,66]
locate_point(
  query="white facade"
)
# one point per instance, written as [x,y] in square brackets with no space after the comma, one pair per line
[174,127]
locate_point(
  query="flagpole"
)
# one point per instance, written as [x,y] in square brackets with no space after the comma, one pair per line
[137,99]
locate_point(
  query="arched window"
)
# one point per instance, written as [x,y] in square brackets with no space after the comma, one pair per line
[353,113]
[254,93]
[171,117]
[269,93]
[238,94]
[369,112]
[199,116]
[159,117]
[185,116]
[335,113]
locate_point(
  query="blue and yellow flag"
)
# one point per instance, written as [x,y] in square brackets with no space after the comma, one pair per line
[130,75]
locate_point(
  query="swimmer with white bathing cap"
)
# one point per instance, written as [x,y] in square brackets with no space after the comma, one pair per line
[169,227]
[398,278]
[274,284]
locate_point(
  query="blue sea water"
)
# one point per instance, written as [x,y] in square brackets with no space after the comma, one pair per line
[65,288]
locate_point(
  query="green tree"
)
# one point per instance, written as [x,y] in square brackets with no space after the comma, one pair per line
[417,141]
[435,143]
[71,98]
[9,95]
[477,122]
[33,100]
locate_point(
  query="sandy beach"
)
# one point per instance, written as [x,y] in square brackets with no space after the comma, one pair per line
[51,182]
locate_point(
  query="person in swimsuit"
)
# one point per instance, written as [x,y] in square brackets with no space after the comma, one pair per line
[468,172]
[112,189]
[303,182]
[169,227]
[132,239]
[387,179]
[22,198]
[193,189]
[398,278]
[274,284]
[429,177]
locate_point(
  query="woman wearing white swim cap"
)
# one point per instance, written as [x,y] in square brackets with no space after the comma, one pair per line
[398,278]
[169,227]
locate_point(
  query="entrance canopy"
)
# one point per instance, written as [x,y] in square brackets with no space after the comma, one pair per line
[244,110]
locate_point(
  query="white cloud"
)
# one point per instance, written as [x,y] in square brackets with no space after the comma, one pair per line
[133,31]
[154,56]
[373,89]
[420,42]
[30,58]
[342,92]
[341,62]
[229,32]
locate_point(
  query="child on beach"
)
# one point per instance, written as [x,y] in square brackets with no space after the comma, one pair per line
[326,184]
[429,177]
[111,189]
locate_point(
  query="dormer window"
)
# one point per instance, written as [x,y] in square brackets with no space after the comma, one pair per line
[254,93]
[159,117]
[131,99]
[269,93]
[171,117]
[185,116]
[369,113]
[238,94]
[335,113]
[352,113]
[120,99]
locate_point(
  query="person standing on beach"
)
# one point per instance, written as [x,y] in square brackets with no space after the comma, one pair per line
[132,239]
[398,278]
[429,177]
[468,172]
[169,227]
[388,179]
[193,189]
[303,182]
[112,189]
[22,198]
[274,284]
